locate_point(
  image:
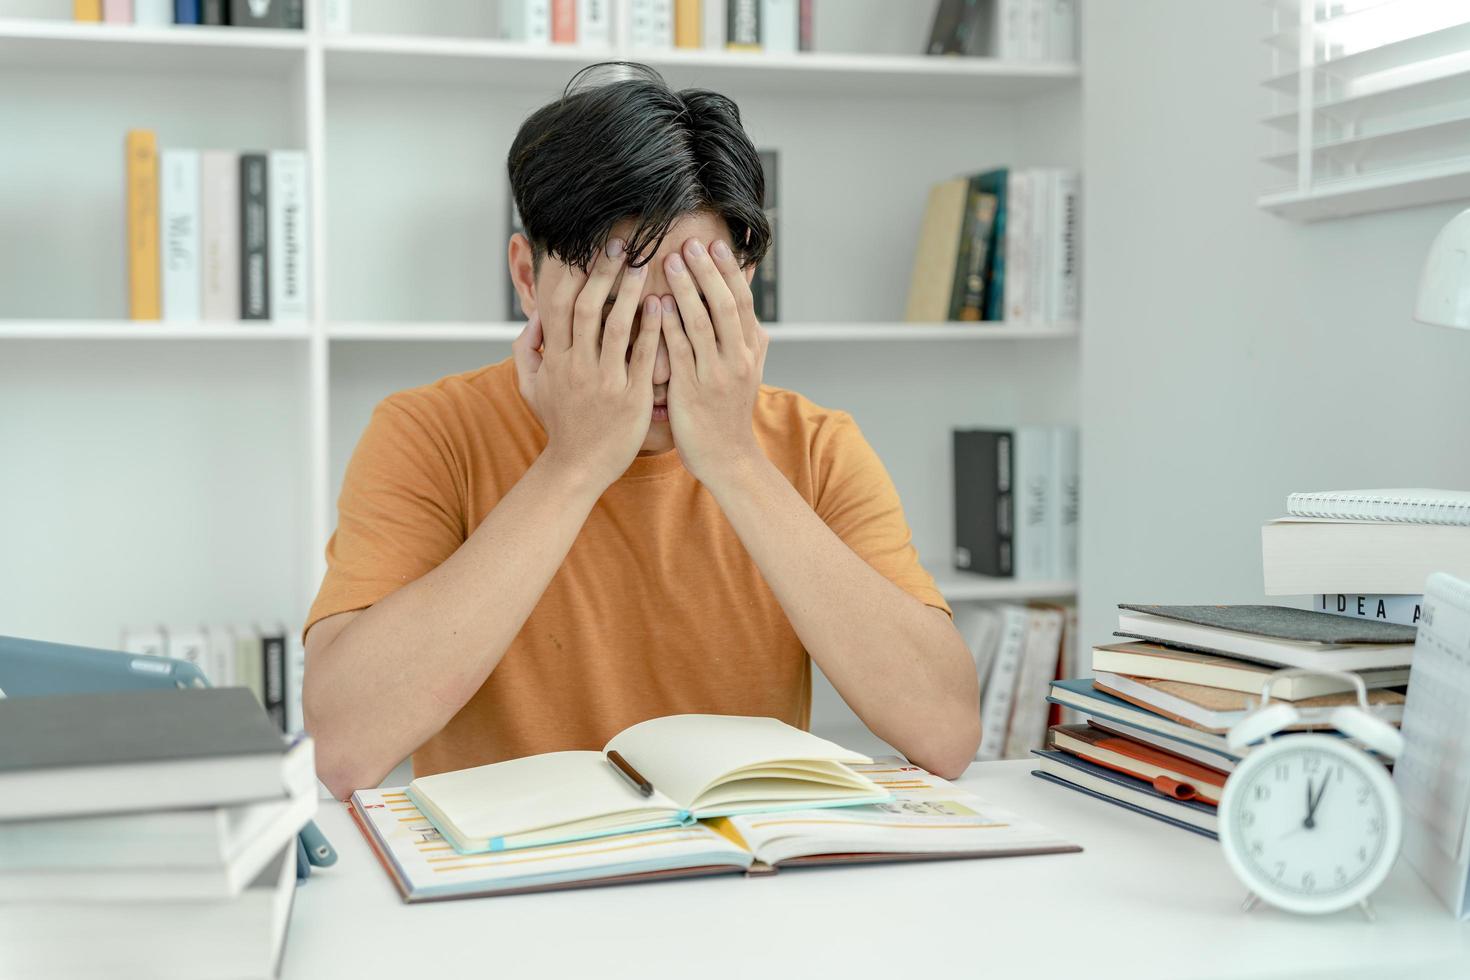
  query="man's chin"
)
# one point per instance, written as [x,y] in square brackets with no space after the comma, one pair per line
[660,438]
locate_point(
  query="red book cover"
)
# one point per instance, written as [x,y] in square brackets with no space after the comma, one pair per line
[563,21]
[1172,775]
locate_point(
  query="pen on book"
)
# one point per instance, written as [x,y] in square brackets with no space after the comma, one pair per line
[630,774]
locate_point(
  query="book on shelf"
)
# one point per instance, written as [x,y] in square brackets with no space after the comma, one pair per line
[563,21]
[117,11]
[712,24]
[525,21]
[289,246]
[926,818]
[128,751]
[153,13]
[268,13]
[187,12]
[254,237]
[1016,500]
[699,766]
[1010,30]
[743,25]
[337,16]
[179,238]
[219,226]
[1402,609]
[216,13]
[688,26]
[1311,556]
[144,285]
[1158,662]
[1017,651]
[86,11]
[1277,635]
[650,24]
[594,23]
[780,22]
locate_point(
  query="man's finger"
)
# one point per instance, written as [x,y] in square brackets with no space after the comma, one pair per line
[562,283]
[734,276]
[645,348]
[692,314]
[681,354]
[526,349]
[587,307]
[717,296]
[619,326]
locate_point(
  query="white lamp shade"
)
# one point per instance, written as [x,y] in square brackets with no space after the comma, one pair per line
[1444,286]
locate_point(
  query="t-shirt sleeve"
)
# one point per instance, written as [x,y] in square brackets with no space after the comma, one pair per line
[399,514]
[856,498]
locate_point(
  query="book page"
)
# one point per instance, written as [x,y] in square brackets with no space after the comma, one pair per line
[683,754]
[928,815]
[428,867]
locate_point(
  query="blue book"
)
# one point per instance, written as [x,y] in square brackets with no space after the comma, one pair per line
[1080,694]
[186,11]
[995,182]
[1126,791]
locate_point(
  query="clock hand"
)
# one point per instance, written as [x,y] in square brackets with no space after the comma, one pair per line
[1321,789]
[1307,822]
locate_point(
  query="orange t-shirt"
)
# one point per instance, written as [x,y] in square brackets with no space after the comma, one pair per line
[657,609]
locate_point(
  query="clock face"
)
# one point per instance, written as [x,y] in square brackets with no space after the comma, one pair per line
[1310,823]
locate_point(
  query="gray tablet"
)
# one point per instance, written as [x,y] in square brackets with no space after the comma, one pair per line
[33,667]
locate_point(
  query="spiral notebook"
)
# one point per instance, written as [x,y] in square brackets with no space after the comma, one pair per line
[1408,506]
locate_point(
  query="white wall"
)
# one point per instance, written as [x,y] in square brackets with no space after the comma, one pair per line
[1228,356]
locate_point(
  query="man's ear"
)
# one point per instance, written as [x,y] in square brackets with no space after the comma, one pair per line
[522,272]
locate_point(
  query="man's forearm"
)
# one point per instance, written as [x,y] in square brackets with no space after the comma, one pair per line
[898,663]
[403,667]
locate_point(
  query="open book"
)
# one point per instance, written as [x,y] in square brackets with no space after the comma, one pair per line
[925,819]
[700,766]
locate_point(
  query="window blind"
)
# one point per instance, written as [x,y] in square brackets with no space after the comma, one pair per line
[1371,105]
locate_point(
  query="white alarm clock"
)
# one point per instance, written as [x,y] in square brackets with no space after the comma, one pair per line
[1312,823]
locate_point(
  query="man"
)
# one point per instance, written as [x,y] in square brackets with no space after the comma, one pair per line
[621,522]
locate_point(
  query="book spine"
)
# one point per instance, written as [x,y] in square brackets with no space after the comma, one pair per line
[983,501]
[661,36]
[86,11]
[1010,38]
[215,13]
[142,182]
[743,25]
[1018,247]
[249,665]
[295,674]
[1042,184]
[962,252]
[972,301]
[179,229]
[153,13]
[149,641]
[1000,689]
[192,647]
[186,11]
[273,656]
[258,13]
[779,26]
[527,21]
[1038,29]
[296,14]
[563,21]
[764,284]
[1032,458]
[1038,668]
[805,36]
[219,228]
[221,657]
[1063,31]
[254,271]
[337,16]
[1402,609]
[594,23]
[995,277]
[1065,502]
[117,11]
[1068,277]
[712,21]
[288,235]
[688,29]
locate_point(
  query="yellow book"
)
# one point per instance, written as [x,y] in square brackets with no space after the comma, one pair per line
[90,10]
[688,30]
[142,180]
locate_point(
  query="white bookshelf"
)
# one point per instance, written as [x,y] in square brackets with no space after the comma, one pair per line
[194,477]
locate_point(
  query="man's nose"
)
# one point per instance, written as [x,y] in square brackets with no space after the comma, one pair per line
[661,364]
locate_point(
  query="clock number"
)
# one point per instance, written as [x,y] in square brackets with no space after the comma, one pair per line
[1340,875]
[1338,772]
[1311,763]
[1362,852]
[1257,849]
[1283,772]
[1262,792]
[1247,819]
[1362,795]
[1280,868]
[1309,881]
[1375,826]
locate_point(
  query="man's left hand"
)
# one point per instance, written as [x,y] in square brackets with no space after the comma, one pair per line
[717,353]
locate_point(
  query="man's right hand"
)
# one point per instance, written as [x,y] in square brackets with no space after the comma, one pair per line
[594,399]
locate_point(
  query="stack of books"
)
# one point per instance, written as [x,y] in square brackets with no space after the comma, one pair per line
[157,827]
[775,26]
[216,235]
[998,246]
[290,14]
[1367,553]
[1157,709]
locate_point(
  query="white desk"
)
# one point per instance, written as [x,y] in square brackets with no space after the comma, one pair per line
[1143,900]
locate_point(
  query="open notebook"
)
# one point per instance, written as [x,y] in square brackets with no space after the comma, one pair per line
[700,766]
[926,818]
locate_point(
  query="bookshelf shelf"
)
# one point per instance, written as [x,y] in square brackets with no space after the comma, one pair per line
[65,46]
[960,587]
[148,330]
[506,64]
[780,333]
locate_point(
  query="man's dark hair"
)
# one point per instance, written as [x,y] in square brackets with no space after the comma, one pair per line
[621,144]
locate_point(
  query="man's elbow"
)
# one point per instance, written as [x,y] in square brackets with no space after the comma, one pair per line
[950,751]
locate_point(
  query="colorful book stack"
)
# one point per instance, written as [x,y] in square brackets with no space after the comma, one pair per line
[148,834]
[1016,502]
[774,26]
[288,14]
[216,235]
[268,661]
[999,246]
[1011,30]
[1159,706]
[1018,650]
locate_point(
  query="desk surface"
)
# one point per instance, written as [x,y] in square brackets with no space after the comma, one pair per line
[1143,900]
